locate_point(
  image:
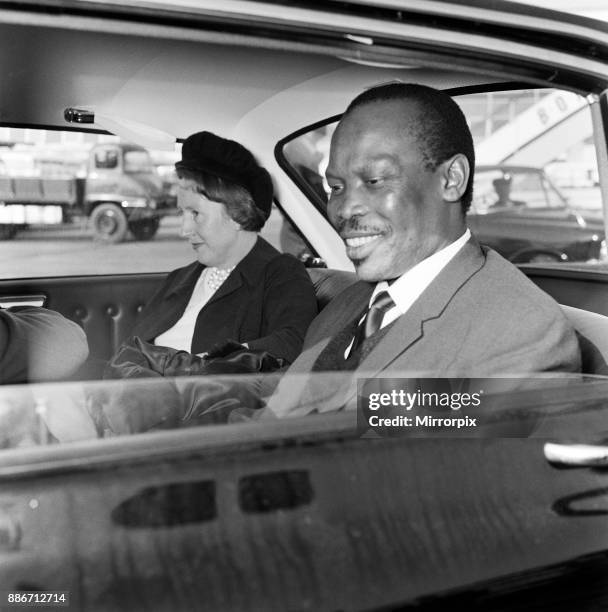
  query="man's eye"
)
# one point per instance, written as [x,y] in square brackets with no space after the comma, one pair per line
[335,188]
[375,181]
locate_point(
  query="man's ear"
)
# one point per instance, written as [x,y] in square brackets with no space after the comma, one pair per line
[455,177]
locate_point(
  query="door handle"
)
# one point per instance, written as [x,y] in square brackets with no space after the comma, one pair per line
[9,301]
[576,455]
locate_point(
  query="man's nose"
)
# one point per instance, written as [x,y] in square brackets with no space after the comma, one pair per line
[351,203]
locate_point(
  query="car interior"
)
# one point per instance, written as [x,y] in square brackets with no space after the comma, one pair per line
[143,87]
[158,90]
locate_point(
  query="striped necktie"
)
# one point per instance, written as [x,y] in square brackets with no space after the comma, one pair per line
[372,320]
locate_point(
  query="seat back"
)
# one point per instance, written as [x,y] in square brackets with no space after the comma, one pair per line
[329,283]
[592,331]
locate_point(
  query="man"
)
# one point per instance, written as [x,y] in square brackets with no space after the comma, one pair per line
[37,345]
[502,186]
[430,299]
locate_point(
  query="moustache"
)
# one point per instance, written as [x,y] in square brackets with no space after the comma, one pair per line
[355,224]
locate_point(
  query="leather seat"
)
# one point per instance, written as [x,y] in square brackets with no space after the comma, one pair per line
[107,310]
[592,332]
[329,283]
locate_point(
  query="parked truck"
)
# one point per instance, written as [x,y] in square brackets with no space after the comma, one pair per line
[120,192]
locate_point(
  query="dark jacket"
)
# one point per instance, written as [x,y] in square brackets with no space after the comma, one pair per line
[267,301]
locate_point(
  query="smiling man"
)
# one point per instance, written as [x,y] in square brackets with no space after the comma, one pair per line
[430,299]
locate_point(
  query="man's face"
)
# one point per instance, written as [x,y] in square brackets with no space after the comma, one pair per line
[386,206]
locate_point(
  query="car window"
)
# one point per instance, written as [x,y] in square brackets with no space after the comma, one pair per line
[75,202]
[521,189]
[138,161]
[106,158]
[535,160]
[52,414]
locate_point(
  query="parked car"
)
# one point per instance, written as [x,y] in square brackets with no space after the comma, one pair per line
[520,213]
[121,191]
[308,513]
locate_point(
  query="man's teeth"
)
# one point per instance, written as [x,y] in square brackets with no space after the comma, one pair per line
[360,240]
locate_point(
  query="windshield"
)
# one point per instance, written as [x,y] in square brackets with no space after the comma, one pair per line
[138,161]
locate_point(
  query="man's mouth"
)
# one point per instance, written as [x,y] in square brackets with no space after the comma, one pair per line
[361,240]
[359,247]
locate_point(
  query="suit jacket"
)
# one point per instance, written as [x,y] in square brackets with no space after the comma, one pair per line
[267,301]
[480,317]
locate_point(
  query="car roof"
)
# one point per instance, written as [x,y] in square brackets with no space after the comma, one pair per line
[193,64]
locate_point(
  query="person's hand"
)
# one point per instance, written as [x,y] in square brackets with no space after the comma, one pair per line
[223,349]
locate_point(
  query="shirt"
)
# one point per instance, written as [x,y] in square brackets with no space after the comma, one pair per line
[180,335]
[406,289]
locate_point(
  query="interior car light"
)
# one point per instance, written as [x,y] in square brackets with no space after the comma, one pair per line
[78,115]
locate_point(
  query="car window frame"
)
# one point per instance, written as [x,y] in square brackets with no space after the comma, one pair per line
[598,106]
[306,189]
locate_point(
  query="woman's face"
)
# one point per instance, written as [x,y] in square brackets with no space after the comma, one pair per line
[206,224]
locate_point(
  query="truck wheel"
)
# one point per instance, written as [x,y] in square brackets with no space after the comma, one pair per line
[7,231]
[109,223]
[144,229]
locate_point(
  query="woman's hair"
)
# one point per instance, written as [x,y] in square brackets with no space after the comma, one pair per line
[239,203]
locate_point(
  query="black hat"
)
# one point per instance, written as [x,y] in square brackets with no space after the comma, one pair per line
[231,161]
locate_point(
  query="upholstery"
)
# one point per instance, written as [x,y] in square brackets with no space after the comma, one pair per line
[329,283]
[592,331]
[107,308]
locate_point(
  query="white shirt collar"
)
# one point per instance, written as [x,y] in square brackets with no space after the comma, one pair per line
[409,286]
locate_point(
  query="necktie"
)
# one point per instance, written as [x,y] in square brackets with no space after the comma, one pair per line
[371,322]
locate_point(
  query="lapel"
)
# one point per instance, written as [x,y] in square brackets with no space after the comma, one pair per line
[185,285]
[300,394]
[335,317]
[342,312]
[247,272]
[409,328]
[230,285]
[300,391]
[355,303]
[174,302]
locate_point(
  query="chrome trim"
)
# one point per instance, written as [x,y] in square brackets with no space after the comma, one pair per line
[8,301]
[576,455]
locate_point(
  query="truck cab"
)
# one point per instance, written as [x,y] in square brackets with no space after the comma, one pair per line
[123,192]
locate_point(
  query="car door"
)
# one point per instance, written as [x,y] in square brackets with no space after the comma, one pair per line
[315,513]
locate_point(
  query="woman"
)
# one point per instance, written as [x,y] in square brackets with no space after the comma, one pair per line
[240,288]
